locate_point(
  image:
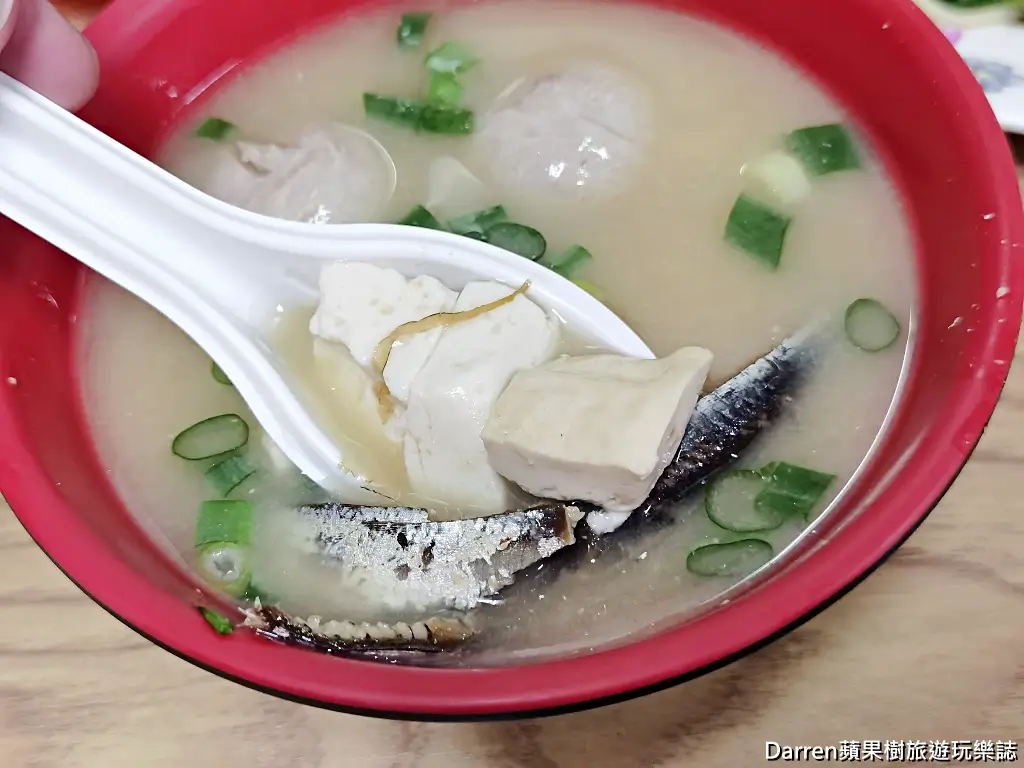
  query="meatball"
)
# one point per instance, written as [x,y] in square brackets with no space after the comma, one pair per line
[575,134]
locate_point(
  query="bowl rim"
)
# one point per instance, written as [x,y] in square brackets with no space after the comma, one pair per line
[581,682]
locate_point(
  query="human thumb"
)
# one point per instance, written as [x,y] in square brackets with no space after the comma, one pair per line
[46,53]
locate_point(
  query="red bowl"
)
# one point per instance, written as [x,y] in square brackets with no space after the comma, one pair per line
[925,113]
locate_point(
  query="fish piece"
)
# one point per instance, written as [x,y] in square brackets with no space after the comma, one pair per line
[726,422]
[407,563]
[723,426]
[430,635]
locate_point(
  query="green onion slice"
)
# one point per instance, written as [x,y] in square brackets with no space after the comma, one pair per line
[517,238]
[791,489]
[421,217]
[570,261]
[229,473]
[757,229]
[444,88]
[870,326]
[441,119]
[824,149]
[221,624]
[594,290]
[214,128]
[734,558]
[224,521]
[218,375]
[224,566]
[453,58]
[403,112]
[729,502]
[212,437]
[411,30]
[478,222]
[419,115]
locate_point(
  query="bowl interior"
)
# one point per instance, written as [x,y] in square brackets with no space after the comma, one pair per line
[927,117]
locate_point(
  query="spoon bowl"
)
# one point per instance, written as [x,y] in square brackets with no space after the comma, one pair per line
[223,274]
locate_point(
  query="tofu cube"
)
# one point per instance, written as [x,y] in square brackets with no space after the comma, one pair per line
[600,428]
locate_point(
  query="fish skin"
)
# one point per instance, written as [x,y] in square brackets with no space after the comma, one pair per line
[419,565]
[374,639]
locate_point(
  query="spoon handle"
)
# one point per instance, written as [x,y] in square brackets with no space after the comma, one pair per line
[192,258]
[116,212]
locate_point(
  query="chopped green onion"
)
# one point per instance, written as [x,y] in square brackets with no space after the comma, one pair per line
[757,229]
[224,521]
[444,88]
[870,326]
[221,624]
[478,221]
[419,115]
[729,502]
[734,558]
[421,217]
[214,128]
[229,473]
[211,437]
[453,58]
[218,375]
[517,238]
[791,489]
[411,30]
[824,149]
[436,118]
[570,261]
[594,290]
[224,566]
[404,112]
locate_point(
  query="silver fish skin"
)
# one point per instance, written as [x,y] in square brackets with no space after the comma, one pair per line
[416,566]
[381,639]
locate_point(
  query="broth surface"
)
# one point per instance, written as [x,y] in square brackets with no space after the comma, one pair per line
[716,102]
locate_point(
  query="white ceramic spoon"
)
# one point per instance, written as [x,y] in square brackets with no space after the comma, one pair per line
[220,273]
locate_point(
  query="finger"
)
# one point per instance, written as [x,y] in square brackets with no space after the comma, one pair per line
[47,54]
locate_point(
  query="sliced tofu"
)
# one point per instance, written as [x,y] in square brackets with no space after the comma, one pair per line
[452,396]
[600,428]
[361,304]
